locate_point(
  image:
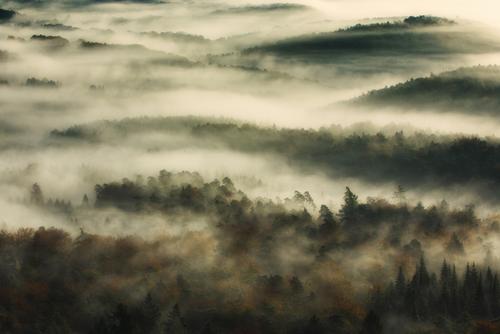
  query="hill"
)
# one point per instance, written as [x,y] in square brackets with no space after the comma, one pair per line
[474,90]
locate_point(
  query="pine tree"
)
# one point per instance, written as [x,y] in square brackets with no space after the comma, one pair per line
[85,201]
[349,208]
[150,314]
[423,274]
[313,326]
[327,220]
[479,308]
[401,282]
[400,195]
[36,196]
[494,296]
[454,303]
[371,324]
[445,274]
[175,323]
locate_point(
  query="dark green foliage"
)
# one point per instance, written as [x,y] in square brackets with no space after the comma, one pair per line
[93,45]
[423,298]
[328,224]
[100,284]
[349,210]
[43,83]
[176,192]
[381,39]
[50,43]
[473,90]
[455,246]
[413,160]
[175,323]
[425,20]
[408,23]
[371,324]
[6,14]
[178,37]
[58,26]
[167,191]
[262,9]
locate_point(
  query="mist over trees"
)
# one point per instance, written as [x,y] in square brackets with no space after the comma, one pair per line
[412,160]
[466,90]
[249,167]
[94,274]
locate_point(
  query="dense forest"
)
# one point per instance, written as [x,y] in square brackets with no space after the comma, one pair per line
[248,167]
[412,159]
[390,38]
[128,284]
[408,23]
[466,90]
[444,295]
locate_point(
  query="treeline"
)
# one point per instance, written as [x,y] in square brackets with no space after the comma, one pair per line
[437,297]
[231,210]
[50,41]
[261,9]
[468,90]
[411,160]
[45,83]
[407,23]
[394,39]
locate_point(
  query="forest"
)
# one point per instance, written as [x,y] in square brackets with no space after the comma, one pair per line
[249,166]
[411,160]
[466,90]
[128,284]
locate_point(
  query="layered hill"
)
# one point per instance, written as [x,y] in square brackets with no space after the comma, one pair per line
[474,90]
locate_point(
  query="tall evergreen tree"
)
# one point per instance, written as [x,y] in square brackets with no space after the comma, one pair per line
[371,324]
[349,208]
[400,283]
[36,195]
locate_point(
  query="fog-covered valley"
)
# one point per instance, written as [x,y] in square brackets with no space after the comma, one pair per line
[249,167]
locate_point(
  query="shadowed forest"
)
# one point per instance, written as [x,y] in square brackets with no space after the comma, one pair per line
[320,167]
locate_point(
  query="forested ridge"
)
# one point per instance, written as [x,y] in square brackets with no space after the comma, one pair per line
[408,159]
[405,37]
[474,91]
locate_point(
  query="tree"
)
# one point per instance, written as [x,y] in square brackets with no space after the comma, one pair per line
[120,321]
[207,329]
[445,273]
[175,322]
[309,200]
[455,246]
[400,195]
[313,326]
[371,324]
[423,276]
[327,220]
[85,201]
[400,282]
[150,313]
[349,208]
[36,196]
[296,285]
[479,307]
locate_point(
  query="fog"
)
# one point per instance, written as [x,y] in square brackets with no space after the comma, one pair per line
[295,154]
